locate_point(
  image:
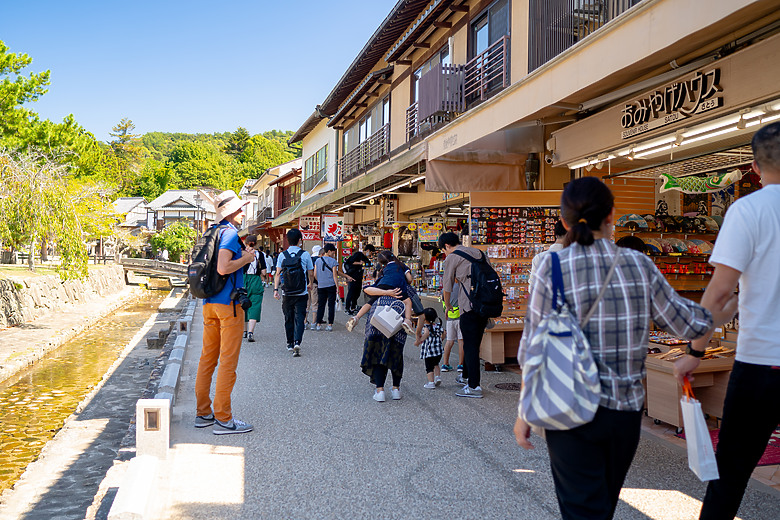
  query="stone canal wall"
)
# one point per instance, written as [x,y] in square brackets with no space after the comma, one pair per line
[23,300]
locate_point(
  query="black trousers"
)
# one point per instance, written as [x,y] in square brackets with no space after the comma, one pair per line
[472,327]
[589,463]
[353,293]
[328,294]
[751,412]
[294,309]
[379,376]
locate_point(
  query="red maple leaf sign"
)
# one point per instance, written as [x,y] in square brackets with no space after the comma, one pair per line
[333,228]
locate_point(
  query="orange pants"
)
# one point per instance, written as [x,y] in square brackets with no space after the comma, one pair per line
[221,344]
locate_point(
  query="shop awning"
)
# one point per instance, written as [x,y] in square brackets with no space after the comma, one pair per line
[355,188]
[495,162]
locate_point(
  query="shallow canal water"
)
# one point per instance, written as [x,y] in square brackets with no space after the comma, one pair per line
[35,403]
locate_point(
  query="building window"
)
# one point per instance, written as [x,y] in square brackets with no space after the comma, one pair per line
[315,168]
[489,27]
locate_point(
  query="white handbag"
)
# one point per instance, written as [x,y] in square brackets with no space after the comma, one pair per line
[701,455]
[387,320]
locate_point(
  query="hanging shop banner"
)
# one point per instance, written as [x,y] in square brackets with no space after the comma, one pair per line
[310,227]
[429,232]
[389,212]
[333,227]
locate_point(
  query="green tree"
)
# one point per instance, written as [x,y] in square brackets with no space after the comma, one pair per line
[40,202]
[177,238]
[237,142]
[129,153]
[16,89]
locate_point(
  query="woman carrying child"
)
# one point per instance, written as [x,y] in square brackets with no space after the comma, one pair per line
[393,279]
[431,349]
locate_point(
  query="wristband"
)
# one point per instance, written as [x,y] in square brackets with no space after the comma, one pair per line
[694,353]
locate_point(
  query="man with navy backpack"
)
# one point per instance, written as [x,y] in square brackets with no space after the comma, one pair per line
[475,311]
[294,275]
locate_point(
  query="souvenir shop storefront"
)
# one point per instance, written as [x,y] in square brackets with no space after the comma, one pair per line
[676,158]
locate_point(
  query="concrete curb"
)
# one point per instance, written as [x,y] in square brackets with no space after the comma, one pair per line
[132,501]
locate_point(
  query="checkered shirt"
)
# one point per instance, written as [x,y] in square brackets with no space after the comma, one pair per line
[432,346]
[618,332]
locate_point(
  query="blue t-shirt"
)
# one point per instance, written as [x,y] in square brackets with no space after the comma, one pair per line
[230,242]
[325,274]
[306,263]
[394,274]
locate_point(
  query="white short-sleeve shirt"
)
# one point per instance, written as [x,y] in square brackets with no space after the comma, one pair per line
[749,242]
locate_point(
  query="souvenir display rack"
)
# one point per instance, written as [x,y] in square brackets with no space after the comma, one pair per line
[510,237]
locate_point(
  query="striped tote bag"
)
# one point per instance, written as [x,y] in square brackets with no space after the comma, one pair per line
[561,388]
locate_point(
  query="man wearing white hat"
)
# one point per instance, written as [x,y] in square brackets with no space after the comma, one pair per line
[223,324]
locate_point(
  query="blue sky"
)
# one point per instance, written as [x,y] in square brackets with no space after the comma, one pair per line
[188,66]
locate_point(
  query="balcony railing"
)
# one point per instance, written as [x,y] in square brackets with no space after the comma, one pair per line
[265,214]
[556,25]
[368,153]
[441,93]
[488,72]
[310,182]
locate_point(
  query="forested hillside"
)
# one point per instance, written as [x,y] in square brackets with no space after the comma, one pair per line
[57,181]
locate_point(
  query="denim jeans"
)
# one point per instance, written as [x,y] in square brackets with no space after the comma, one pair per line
[294,309]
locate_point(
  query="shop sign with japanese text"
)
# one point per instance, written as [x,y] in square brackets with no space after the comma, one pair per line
[332,227]
[389,212]
[672,103]
[310,227]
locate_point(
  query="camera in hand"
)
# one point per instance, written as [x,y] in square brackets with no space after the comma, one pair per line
[241,297]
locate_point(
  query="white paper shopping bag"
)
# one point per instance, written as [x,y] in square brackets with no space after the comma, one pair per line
[701,456]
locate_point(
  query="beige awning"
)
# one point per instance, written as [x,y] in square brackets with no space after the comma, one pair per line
[476,171]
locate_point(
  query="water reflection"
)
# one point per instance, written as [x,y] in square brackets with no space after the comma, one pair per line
[35,403]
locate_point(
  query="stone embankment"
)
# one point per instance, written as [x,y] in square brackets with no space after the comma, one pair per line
[23,300]
[39,313]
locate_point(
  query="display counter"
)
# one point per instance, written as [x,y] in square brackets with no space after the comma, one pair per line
[709,383]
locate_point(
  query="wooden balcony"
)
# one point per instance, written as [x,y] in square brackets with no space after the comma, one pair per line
[556,25]
[370,152]
[446,91]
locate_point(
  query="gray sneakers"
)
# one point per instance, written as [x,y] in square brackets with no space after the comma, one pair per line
[233,426]
[462,380]
[201,421]
[467,391]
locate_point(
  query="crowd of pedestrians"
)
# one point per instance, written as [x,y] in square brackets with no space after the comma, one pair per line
[588,462]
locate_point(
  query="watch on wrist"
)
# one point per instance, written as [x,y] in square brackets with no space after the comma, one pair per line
[693,352]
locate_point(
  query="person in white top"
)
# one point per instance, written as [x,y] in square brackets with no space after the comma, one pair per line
[747,252]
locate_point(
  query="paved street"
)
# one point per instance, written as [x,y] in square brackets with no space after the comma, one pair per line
[322,448]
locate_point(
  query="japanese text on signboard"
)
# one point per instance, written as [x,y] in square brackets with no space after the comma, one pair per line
[675,102]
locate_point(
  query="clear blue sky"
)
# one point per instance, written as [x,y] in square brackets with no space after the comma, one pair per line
[188,66]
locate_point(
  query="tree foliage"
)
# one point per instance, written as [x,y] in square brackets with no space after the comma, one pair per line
[176,238]
[39,203]
[16,89]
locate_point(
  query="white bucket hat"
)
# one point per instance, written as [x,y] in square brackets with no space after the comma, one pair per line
[315,251]
[227,203]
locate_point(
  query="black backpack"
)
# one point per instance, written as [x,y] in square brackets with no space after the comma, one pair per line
[486,295]
[293,277]
[202,273]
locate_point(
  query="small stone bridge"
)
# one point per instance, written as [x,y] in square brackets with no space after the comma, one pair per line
[156,268]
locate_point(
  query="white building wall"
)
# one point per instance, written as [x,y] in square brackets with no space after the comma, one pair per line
[317,138]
